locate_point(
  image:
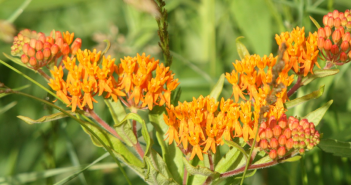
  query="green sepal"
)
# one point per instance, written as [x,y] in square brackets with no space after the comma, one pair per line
[217,89]
[171,154]
[241,48]
[315,94]
[318,74]
[316,116]
[198,170]
[125,129]
[337,148]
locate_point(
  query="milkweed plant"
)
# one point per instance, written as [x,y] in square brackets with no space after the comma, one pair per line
[253,122]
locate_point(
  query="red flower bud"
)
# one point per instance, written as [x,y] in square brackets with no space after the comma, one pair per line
[320,43]
[39,45]
[58,35]
[325,20]
[343,57]
[25,48]
[310,146]
[349,54]
[282,140]
[263,134]
[283,123]
[328,31]
[321,33]
[76,45]
[348,25]
[39,55]
[31,52]
[302,151]
[273,143]
[287,133]
[302,144]
[32,43]
[334,49]
[296,144]
[42,37]
[346,37]
[341,15]
[59,42]
[277,131]
[296,137]
[335,13]
[269,133]
[330,22]
[337,22]
[65,49]
[273,154]
[327,45]
[343,21]
[54,49]
[289,144]
[302,137]
[24,58]
[50,40]
[336,36]
[33,61]
[264,144]
[281,151]
[47,45]
[47,53]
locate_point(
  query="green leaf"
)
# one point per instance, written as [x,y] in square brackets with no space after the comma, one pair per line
[266,159]
[318,74]
[7,107]
[317,115]
[231,160]
[115,144]
[17,61]
[124,130]
[235,145]
[315,22]
[157,171]
[241,48]
[292,159]
[217,89]
[337,148]
[198,170]
[315,94]
[247,175]
[16,89]
[44,119]
[65,180]
[171,154]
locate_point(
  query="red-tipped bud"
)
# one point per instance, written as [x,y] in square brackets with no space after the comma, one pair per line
[321,33]
[59,42]
[263,134]
[334,49]
[344,45]
[289,144]
[264,144]
[39,55]
[348,25]
[347,12]
[33,61]
[31,52]
[343,57]
[32,43]
[346,37]
[302,137]
[310,146]
[337,22]
[330,22]
[25,48]
[65,49]
[47,53]
[335,13]
[273,154]
[320,43]
[283,123]
[294,132]
[277,131]
[343,22]
[273,143]
[325,20]
[341,15]
[282,140]
[50,40]
[58,35]
[269,133]
[42,38]
[24,58]
[302,151]
[296,137]
[287,133]
[336,36]
[349,54]
[33,33]
[281,151]
[296,144]
[328,31]
[54,49]
[302,144]
[47,45]
[39,45]
[342,31]
[76,45]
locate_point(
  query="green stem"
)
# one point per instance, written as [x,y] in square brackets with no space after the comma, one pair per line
[82,123]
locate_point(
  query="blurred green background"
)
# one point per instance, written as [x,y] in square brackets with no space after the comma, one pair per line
[202,41]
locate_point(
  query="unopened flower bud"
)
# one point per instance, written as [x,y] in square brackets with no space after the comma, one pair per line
[282,123]
[336,36]
[47,45]
[269,133]
[76,45]
[337,22]
[344,45]
[325,20]
[42,37]
[334,49]
[294,132]
[320,43]
[39,45]
[296,137]
[302,151]
[263,134]
[335,14]
[302,144]
[47,53]
[33,61]
[31,52]
[58,35]
[39,55]
[341,15]
[263,144]
[296,144]
[327,45]
[59,42]
[277,131]
[25,48]
[287,133]
[310,146]
[343,57]
[328,31]
[281,151]
[24,58]
[349,54]
[273,154]
[273,143]
[330,22]
[313,130]
[54,49]
[321,33]
[346,37]
[32,43]
[289,144]
[65,49]
[343,22]
[282,140]
[49,40]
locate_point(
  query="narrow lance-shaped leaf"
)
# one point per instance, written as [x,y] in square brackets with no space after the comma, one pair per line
[235,145]
[44,119]
[317,115]
[338,148]
[318,74]
[198,170]
[315,22]
[124,130]
[7,107]
[292,159]
[241,48]
[217,89]
[315,94]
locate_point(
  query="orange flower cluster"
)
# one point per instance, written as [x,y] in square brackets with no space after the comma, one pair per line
[37,50]
[135,80]
[337,28]
[201,124]
[279,137]
[301,53]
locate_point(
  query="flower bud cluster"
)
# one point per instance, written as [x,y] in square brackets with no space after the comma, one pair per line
[334,38]
[37,49]
[278,138]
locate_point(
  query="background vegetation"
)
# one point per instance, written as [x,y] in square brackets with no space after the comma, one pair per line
[202,41]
